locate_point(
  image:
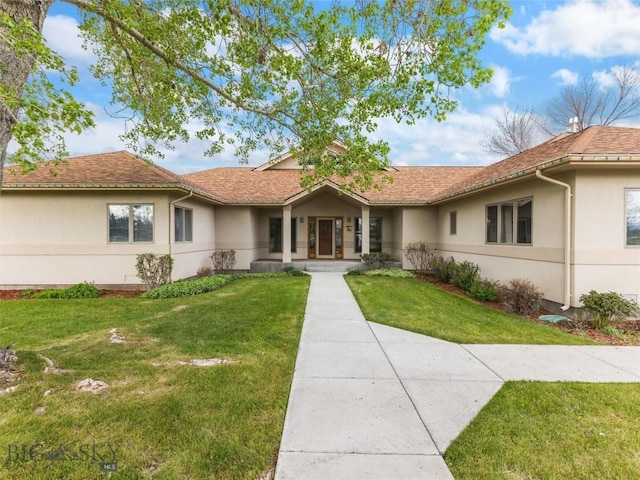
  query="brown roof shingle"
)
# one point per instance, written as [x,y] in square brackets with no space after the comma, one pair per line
[595,140]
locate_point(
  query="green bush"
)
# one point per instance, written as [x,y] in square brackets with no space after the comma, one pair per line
[376,260]
[389,272]
[293,272]
[356,271]
[603,308]
[81,290]
[186,288]
[485,290]
[444,269]
[465,275]
[521,297]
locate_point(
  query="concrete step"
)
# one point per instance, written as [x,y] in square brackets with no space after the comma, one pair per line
[328,268]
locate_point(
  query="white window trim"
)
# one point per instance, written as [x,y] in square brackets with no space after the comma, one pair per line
[131,240]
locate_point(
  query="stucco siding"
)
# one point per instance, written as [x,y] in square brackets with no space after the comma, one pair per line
[191,255]
[59,238]
[419,224]
[541,262]
[235,229]
[602,260]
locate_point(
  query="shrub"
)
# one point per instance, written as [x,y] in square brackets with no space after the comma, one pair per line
[485,290]
[603,308]
[389,272]
[356,271]
[81,290]
[444,268]
[293,272]
[223,261]
[521,297]
[465,275]
[186,288]
[376,260]
[420,255]
[204,272]
[154,270]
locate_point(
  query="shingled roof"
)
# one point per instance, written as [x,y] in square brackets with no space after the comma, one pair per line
[593,144]
[244,185]
[101,171]
[254,186]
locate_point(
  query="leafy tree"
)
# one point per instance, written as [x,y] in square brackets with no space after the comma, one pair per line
[514,131]
[280,74]
[595,103]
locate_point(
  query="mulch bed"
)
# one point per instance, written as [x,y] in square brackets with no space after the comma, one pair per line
[629,330]
[19,295]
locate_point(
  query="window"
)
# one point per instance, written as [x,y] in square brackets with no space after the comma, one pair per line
[632,207]
[184,224]
[511,220]
[130,223]
[375,234]
[453,223]
[275,235]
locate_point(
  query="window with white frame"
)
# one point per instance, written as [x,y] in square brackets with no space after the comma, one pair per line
[632,214]
[130,223]
[183,218]
[510,222]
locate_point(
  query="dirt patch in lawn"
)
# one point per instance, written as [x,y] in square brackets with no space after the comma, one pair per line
[25,294]
[620,333]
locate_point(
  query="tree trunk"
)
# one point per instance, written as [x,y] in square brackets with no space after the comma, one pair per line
[14,67]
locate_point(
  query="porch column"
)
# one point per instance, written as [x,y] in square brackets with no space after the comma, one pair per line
[286,234]
[365,228]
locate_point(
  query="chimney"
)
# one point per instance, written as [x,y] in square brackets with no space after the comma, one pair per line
[574,125]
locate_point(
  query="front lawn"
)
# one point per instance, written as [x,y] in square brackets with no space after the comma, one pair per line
[420,307]
[161,418]
[534,430]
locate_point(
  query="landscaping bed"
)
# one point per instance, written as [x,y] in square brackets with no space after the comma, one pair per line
[625,332]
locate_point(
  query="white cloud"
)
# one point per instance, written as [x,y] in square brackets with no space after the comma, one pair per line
[428,142]
[567,77]
[63,36]
[500,84]
[585,28]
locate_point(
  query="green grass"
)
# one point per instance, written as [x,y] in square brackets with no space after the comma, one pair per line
[420,307]
[168,421]
[534,430]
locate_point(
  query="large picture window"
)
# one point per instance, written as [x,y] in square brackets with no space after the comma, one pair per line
[130,223]
[632,208]
[510,222]
[275,235]
[375,234]
[184,224]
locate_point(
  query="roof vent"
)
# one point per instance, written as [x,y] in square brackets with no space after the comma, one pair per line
[574,125]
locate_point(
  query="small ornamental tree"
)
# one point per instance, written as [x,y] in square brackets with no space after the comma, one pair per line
[154,270]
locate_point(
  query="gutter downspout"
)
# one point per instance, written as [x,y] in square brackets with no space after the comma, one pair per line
[567,237]
[171,215]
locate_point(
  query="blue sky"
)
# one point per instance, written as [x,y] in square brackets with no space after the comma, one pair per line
[546,45]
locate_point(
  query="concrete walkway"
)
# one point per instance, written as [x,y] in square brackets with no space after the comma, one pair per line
[375,402]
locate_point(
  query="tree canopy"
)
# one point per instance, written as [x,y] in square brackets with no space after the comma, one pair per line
[277,74]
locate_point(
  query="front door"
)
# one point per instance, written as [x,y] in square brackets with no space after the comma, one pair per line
[325,237]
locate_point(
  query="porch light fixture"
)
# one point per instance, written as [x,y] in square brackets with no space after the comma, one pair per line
[301,219]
